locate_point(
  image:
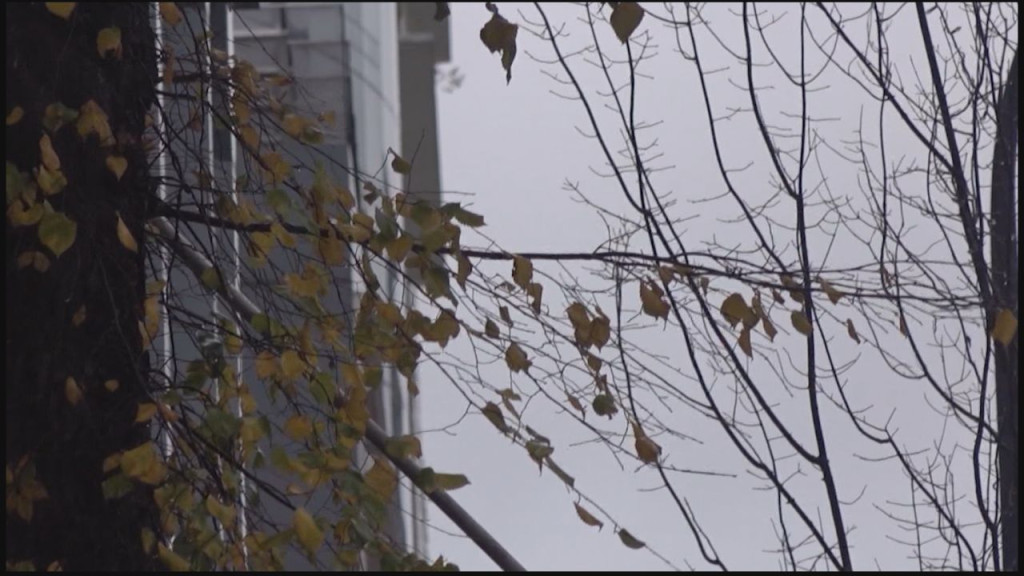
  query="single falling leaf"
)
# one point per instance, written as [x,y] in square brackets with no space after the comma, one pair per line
[57,232]
[493,413]
[516,358]
[587,517]
[72,392]
[170,13]
[47,154]
[145,412]
[522,271]
[800,322]
[109,40]
[652,302]
[744,342]
[629,540]
[61,9]
[292,365]
[125,235]
[117,166]
[625,18]
[308,533]
[15,115]
[500,35]
[1005,327]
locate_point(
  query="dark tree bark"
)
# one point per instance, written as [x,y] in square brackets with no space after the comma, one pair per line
[1005,295]
[50,59]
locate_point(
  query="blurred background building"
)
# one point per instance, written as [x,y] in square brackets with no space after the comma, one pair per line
[373,66]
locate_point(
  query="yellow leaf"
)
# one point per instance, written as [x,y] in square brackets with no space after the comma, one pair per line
[291,365]
[628,539]
[145,412]
[465,268]
[298,428]
[652,302]
[170,13]
[399,248]
[587,517]
[647,449]
[277,168]
[735,310]
[61,9]
[625,18]
[141,462]
[493,413]
[125,235]
[744,342]
[109,40]
[516,358]
[666,273]
[282,235]
[47,154]
[111,385]
[79,316]
[111,462]
[382,479]
[400,165]
[93,120]
[226,513]
[800,322]
[250,138]
[72,391]
[331,250]
[833,294]
[34,258]
[1005,327]
[173,562]
[500,34]
[852,331]
[522,271]
[50,181]
[600,330]
[266,364]
[18,215]
[328,118]
[491,329]
[293,124]
[117,166]
[15,115]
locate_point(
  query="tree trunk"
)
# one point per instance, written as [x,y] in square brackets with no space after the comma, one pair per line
[51,59]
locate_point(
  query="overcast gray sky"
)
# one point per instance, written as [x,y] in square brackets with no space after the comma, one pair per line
[510,149]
